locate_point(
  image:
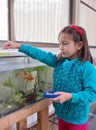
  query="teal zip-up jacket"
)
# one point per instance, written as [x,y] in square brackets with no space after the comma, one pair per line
[71,76]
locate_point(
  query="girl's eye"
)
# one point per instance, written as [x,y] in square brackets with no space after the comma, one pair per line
[64,43]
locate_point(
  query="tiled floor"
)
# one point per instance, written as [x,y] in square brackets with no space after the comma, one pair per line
[92,122]
[53,123]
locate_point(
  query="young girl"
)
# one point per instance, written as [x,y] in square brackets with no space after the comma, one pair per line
[74,77]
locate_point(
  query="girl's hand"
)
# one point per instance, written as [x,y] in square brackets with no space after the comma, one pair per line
[63,96]
[11,45]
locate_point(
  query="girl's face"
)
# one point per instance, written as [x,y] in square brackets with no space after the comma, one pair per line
[68,47]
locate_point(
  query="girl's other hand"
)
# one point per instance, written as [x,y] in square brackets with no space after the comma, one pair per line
[59,56]
[11,45]
[63,96]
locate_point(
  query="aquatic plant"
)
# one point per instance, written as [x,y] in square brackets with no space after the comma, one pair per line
[18,96]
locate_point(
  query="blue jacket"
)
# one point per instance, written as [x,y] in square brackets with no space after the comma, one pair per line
[72,76]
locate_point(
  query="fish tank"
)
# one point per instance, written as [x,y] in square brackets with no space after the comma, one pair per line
[22,81]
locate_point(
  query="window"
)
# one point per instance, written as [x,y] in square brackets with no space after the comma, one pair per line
[87,18]
[40,20]
[3,20]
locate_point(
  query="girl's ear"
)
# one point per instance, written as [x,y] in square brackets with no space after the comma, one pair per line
[80,45]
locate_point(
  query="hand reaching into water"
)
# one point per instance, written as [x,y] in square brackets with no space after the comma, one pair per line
[63,96]
[11,45]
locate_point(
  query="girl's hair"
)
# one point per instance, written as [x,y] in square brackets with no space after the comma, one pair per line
[84,54]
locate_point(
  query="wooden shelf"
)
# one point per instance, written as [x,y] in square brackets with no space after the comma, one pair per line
[20,117]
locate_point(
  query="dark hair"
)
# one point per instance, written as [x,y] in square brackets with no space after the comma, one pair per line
[84,54]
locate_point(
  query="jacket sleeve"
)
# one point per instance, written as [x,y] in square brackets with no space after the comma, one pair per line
[88,94]
[36,53]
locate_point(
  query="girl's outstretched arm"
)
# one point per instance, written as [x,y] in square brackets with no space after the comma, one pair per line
[35,53]
[39,54]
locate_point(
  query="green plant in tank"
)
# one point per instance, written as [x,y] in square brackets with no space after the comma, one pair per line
[17,95]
